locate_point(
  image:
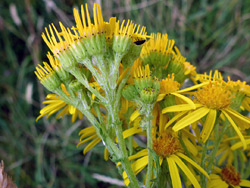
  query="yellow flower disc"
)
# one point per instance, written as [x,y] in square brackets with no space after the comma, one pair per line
[168,85]
[214,96]
[230,176]
[166,144]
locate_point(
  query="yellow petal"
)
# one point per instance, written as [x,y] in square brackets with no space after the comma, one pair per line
[193,163]
[190,146]
[237,130]
[245,183]
[174,173]
[87,130]
[208,125]
[186,99]
[238,115]
[240,144]
[91,145]
[191,118]
[177,108]
[86,140]
[134,116]
[193,87]
[129,132]
[106,154]
[186,171]
[137,166]
[175,118]
[160,97]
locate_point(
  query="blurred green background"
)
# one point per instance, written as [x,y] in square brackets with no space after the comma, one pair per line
[211,34]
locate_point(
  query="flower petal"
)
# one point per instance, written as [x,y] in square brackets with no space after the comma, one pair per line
[175,118]
[237,130]
[245,183]
[184,98]
[174,173]
[193,163]
[186,171]
[238,115]
[191,118]
[177,108]
[208,125]
[193,87]
[134,116]
[239,144]
[91,145]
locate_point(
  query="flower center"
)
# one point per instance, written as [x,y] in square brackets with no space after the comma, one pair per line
[214,96]
[166,144]
[168,85]
[230,176]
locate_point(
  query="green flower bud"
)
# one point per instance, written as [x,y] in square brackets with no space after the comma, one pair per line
[79,51]
[48,77]
[129,92]
[95,45]
[121,44]
[64,76]
[177,67]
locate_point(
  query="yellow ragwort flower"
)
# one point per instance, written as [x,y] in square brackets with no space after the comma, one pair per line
[227,177]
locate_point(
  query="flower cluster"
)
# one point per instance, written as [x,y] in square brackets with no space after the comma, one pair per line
[132,86]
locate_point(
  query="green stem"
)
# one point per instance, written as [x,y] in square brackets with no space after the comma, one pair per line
[114,72]
[216,147]
[84,81]
[203,162]
[124,160]
[149,119]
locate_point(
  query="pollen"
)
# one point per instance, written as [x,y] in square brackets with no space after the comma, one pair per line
[214,96]
[168,85]
[229,175]
[166,144]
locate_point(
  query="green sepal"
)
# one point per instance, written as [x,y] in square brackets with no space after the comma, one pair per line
[133,53]
[95,45]
[79,51]
[75,86]
[67,60]
[121,44]
[178,69]
[129,92]
[156,59]
[51,82]
[64,76]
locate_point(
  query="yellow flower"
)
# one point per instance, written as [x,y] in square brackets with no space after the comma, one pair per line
[211,99]
[167,146]
[227,177]
[55,104]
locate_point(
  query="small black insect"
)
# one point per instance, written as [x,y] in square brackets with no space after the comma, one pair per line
[140,42]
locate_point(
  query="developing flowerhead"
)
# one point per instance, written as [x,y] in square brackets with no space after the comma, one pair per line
[147,87]
[212,76]
[124,36]
[230,176]
[239,87]
[157,52]
[57,67]
[169,85]
[214,96]
[48,77]
[177,66]
[166,144]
